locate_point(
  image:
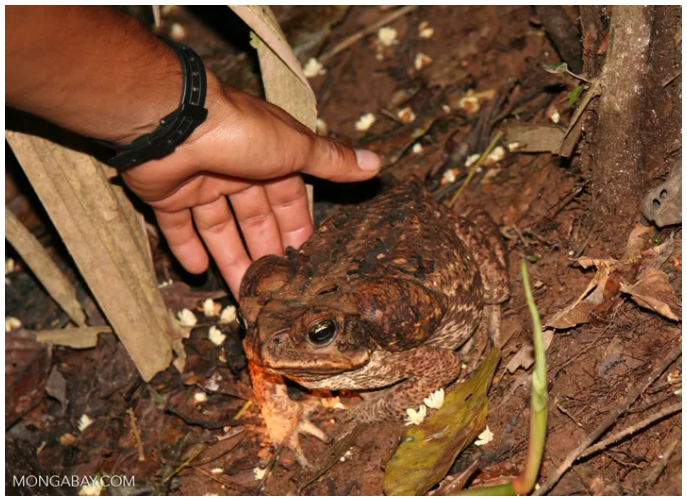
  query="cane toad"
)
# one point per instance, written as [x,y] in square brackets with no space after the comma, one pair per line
[380,297]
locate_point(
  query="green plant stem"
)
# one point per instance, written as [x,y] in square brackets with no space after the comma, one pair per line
[525,482]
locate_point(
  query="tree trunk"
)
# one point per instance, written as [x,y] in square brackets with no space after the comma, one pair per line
[639,118]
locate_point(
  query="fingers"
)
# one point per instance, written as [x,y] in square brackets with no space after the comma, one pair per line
[325,158]
[289,202]
[183,239]
[217,227]
[257,221]
[331,160]
[267,143]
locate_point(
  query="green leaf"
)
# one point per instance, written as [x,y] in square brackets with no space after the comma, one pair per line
[574,95]
[429,449]
[255,40]
[556,68]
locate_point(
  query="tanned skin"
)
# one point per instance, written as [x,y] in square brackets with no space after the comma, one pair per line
[98,72]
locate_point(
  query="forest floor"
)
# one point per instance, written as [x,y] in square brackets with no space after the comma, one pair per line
[483,69]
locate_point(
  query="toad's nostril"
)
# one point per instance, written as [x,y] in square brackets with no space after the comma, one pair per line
[279,340]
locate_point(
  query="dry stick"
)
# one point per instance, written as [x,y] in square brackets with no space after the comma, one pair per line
[356,37]
[632,429]
[137,435]
[474,168]
[45,269]
[608,421]
[657,467]
[224,482]
[185,464]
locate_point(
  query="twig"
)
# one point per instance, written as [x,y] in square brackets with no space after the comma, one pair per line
[243,409]
[608,421]
[474,168]
[453,484]
[222,442]
[137,435]
[356,37]
[331,458]
[392,117]
[200,423]
[184,465]
[157,15]
[565,412]
[632,429]
[671,79]
[224,482]
[658,466]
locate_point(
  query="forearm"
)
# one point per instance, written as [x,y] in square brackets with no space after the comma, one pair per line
[90,69]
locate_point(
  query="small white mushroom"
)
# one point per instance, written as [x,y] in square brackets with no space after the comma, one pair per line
[436,399]
[387,36]
[486,437]
[422,61]
[416,417]
[84,422]
[313,68]
[365,122]
[228,315]
[11,323]
[187,318]
[216,336]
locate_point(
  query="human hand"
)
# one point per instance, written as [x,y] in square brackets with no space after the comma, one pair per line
[246,159]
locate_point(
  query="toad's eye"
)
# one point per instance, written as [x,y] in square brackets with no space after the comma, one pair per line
[323,332]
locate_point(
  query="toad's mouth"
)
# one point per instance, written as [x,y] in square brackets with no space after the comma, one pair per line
[291,369]
[321,367]
[307,370]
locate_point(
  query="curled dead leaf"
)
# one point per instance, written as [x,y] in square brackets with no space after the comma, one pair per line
[525,356]
[653,291]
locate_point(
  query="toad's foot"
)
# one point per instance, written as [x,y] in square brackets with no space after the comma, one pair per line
[285,424]
[285,419]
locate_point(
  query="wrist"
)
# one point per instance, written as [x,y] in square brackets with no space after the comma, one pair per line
[147,97]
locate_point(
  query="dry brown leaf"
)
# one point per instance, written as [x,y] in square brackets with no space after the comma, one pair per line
[663,204]
[580,311]
[534,138]
[45,269]
[77,338]
[654,292]
[103,233]
[525,356]
[637,241]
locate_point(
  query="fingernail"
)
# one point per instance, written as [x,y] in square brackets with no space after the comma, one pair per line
[367,160]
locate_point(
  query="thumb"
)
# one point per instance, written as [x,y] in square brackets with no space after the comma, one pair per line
[331,160]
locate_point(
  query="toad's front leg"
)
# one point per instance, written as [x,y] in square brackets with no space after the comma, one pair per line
[427,369]
[284,418]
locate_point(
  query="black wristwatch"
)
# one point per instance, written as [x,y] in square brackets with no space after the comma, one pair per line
[174,128]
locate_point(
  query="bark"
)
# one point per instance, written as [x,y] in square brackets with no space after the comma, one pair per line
[616,151]
[637,131]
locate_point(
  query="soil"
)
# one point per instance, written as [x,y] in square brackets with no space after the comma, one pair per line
[541,202]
